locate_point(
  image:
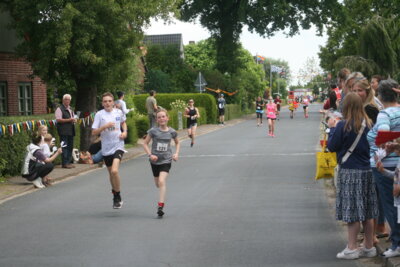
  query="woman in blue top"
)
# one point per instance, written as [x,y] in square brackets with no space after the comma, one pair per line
[388,120]
[356,199]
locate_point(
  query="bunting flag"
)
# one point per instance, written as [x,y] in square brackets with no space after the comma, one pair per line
[31,125]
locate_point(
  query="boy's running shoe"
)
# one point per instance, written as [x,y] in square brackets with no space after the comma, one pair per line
[160,211]
[117,201]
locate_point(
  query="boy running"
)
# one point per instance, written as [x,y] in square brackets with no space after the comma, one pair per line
[109,122]
[161,155]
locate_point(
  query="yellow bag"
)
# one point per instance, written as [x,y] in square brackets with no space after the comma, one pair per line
[326,163]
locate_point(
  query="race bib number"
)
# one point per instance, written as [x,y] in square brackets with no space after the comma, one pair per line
[271,113]
[162,147]
[258,107]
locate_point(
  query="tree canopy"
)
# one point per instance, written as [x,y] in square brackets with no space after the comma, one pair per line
[225,20]
[83,44]
[366,38]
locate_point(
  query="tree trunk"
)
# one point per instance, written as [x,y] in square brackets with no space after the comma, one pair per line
[86,98]
[227,38]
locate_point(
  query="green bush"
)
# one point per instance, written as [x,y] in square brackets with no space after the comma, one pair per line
[232,111]
[206,101]
[142,125]
[132,131]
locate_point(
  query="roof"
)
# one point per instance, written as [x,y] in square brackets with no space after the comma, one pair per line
[165,40]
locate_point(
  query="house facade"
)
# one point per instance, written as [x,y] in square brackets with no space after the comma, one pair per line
[20,92]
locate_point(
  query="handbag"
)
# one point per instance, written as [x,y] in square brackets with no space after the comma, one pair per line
[326,163]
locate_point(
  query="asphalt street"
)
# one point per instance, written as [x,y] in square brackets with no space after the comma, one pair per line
[237,198]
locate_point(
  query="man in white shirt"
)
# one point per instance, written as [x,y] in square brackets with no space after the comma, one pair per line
[110,124]
[121,104]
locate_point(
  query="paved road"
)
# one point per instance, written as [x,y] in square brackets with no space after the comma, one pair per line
[237,198]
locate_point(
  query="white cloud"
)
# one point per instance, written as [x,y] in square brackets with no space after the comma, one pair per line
[295,50]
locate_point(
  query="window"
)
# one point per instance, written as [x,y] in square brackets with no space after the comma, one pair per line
[3,99]
[25,98]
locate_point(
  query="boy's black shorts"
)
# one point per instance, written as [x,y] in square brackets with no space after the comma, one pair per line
[108,160]
[160,168]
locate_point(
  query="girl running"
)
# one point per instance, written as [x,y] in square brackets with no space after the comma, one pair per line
[259,110]
[161,155]
[305,103]
[291,107]
[271,116]
[191,113]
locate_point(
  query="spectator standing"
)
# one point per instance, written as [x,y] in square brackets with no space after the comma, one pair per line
[388,120]
[356,199]
[330,103]
[375,80]
[121,104]
[221,109]
[348,84]
[151,106]
[367,94]
[110,124]
[66,129]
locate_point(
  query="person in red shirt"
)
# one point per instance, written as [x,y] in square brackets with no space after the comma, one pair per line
[278,102]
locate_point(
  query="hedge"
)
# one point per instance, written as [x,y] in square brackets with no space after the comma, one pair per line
[232,111]
[206,101]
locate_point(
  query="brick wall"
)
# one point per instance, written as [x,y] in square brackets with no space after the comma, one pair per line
[13,71]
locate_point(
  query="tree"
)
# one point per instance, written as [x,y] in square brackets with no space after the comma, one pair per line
[169,61]
[362,36]
[309,70]
[225,20]
[84,44]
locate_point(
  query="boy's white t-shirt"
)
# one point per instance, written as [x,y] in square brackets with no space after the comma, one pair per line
[110,141]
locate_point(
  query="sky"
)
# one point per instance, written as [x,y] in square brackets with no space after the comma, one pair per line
[295,50]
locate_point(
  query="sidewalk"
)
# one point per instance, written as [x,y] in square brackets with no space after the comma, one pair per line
[17,186]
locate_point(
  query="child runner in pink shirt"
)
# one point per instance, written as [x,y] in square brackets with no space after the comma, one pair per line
[271,111]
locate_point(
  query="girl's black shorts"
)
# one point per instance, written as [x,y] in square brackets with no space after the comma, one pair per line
[160,168]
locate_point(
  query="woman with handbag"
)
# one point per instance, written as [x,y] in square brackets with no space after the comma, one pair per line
[356,199]
[37,166]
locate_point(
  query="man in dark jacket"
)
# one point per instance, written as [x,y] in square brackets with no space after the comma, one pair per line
[66,130]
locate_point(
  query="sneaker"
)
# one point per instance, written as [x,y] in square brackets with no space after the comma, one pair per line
[348,254]
[273,135]
[391,253]
[38,183]
[160,211]
[117,202]
[191,144]
[368,253]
